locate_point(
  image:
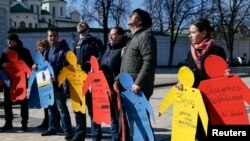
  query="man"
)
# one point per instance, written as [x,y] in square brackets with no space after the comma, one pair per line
[15,44]
[55,55]
[86,46]
[139,55]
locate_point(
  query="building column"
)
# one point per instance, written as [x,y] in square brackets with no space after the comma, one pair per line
[4,23]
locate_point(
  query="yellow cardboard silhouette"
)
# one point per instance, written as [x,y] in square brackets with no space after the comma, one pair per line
[76,78]
[187,105]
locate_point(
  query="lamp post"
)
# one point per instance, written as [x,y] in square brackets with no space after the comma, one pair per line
[4,23]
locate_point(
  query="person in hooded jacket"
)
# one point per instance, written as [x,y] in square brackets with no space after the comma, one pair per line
[15,44]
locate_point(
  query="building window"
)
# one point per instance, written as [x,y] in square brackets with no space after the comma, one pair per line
[53,10]
[36,25]
[61,11]
[14,24]
[22,25]
[37,9]
[46,8]
[10,22]
[31,8]
[49,20]
[30,25]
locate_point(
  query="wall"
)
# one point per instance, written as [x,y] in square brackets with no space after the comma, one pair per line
[180,53]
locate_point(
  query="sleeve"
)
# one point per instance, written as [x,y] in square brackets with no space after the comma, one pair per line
[147,49]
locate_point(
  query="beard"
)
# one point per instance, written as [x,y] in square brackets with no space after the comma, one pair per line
[82,30]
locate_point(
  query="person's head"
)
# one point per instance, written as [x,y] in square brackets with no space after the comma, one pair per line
[13,40]
[82,27]
[140,18]
[42,45]
[200,30]
[53,36]
[115,35]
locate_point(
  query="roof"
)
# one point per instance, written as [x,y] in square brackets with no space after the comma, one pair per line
[18,8]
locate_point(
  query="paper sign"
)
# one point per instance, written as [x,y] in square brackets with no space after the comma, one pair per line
[136,108]
[43,88]
[76,78]
[187,106]
[220,93]
[16,70]
[100,93]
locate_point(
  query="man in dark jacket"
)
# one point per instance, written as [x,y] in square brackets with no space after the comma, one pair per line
[139,56]
[15,44]
[56,56]
[86,46]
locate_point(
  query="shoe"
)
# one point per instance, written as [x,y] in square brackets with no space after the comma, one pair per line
[24,127]
[7,127]
[42,126]
[68,136]
[48,133]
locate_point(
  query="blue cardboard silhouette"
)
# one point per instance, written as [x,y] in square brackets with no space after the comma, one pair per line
[43,88]
[4,79]
[136,107]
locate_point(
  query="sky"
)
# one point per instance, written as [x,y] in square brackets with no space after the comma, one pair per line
[136,4]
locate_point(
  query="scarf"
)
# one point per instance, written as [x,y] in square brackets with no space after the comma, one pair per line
[199,51]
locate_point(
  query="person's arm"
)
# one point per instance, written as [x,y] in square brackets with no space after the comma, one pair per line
[147,49]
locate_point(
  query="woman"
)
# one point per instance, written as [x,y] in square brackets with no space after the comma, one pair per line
[202,45]
[41,47]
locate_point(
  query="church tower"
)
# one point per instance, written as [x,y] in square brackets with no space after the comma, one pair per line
[55,7]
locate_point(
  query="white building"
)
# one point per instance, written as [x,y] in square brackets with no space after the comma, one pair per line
[41,14]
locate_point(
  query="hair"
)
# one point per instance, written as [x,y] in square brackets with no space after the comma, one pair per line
[43,43]
[203,25]
[120,31]
[144,16]
[53,30]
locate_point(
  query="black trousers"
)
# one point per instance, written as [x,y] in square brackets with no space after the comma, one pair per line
[8,108]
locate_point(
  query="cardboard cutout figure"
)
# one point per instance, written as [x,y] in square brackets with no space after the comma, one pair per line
[4,79]
[221,93]
[136,108]
[76,77]
[40,84]
[17,71]
[100,91]
[187,106]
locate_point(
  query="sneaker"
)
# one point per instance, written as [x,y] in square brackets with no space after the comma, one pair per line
[48,133]
[7,127]
[68,136]
[24,127]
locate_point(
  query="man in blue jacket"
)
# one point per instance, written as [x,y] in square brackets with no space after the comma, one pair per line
[56,56]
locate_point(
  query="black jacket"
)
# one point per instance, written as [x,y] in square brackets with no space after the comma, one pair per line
[85,48]
[201,74]
[111,60]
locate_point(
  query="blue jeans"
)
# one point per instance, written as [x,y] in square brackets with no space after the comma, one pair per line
[80,132]
[60,105]
[96,129]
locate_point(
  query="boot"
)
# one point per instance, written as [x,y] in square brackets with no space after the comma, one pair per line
[7,126]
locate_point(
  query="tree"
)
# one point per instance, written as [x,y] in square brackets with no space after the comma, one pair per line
[178,12]
[231,16]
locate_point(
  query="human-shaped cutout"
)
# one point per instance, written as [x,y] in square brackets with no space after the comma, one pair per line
[76,78]
[100,91]
[136,107]
[4,79]
[17,71]
[42,92]
[221,94]
[187,106]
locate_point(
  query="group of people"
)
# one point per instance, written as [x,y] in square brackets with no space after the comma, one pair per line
[135,54]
